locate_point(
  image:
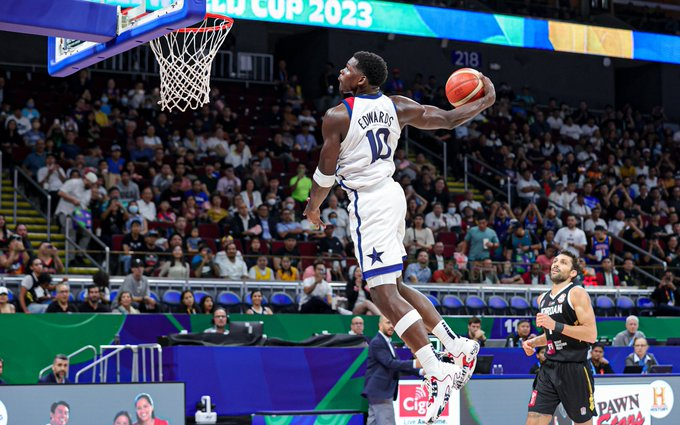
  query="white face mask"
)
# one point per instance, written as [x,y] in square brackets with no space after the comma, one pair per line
[452,211]
[271,202]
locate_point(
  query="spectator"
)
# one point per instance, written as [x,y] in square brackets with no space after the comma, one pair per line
[92,303]
[419,272]
[521,334]
[59,372]
[220,320]
[129,190]
[487,273]
[101,280]
[509,274]
[261,271]
[146,205]
[116,162]
[75,195]
[256,307]
[356,326]
[481,241]
[207,305]
[124,304]
[21,230]
[231,267]
[203,264]
[49,255]
[469,201]
[5,308]
[436,220]
[418,237]
[540,360]
[151,253]
[163,180]
[535,276]
[330,247]
[36,159]
[23,124]
[15,260]
[286,272]
[229,185]
[198,193]
[599,365]
[528,189]
[113,216]
[358,296]
[62,304]
[317,294]
[266,223]
[571,236]
[667,296]
[300,184]
[599,246]
[133,243]
[558,198]
[51,177]
[287,226]
[304,140]
[640,356]
[474,331]
[176,267]
[627,274]
[626,337]
[174,195]
[437,260]
[607,276]
[448,274]
[187,304]
[138,286]
[594,221]
[34,289]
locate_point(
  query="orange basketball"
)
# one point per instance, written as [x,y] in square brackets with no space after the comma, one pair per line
[463,86]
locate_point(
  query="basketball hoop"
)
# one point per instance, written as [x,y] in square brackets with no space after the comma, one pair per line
[185,59]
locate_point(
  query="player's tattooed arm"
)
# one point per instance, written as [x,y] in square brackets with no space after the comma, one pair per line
[429,117]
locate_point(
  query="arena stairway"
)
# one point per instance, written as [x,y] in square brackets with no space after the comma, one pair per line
[36,224]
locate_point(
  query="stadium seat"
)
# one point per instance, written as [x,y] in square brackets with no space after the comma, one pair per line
[448,238]
[82,295]
[230,301]
[475,305]
[199,295]
[452,304]
[249,300]
[604,306]
[172,297]
[209,231]
[624,305]
[519,305]
[673,341]
[434,300]
[154,296]
[497,304]
[113,295]
[282,302]
[645,306]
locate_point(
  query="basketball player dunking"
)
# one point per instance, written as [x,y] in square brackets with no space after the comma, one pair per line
[568,320]
[360,138]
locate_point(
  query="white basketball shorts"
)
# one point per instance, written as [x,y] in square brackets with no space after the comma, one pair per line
[377,222]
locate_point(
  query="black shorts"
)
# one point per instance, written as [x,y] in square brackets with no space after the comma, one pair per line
[572,384]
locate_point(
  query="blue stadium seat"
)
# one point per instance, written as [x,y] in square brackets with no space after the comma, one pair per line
[199,295]
[497,304]
[645,306]
[154,296]
[534,303]
[249,299]
[113,295]
[282,302]
[452,304]
[82,295]
[519,305]
[10,296]
[475,305]
[624,305]
[172,297]
[434,300]
[604,306]
[229,300]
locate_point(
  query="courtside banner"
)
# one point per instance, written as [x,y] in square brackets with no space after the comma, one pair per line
[89,404]
[411,405]
[453,24]
[623,404]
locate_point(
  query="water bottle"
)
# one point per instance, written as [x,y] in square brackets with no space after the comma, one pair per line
[500,369]
[497,369]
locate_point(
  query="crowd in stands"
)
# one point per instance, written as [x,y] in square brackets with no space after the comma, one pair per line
[218,192]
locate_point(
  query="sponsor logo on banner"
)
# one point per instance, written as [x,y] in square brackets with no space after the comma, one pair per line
[411,405]
[623,404]
[662,399]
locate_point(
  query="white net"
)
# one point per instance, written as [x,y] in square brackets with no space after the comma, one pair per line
[185,59]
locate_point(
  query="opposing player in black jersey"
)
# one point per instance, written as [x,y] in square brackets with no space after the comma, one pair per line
[568,321]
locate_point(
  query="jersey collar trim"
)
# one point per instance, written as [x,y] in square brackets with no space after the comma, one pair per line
[370,96]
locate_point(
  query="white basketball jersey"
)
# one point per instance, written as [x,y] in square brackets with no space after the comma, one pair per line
[367,152]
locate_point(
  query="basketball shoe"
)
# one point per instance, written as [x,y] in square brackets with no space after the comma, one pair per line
[463,353]
[439,389]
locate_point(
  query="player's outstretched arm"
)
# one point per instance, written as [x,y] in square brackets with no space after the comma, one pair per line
[586,329]
[429,117]
[335,124]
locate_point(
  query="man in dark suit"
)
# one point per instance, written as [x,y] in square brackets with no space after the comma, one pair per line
[244,225]
[59,371]
[640,356]
[382,375]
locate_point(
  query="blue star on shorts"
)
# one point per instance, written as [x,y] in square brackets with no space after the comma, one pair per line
[375,256]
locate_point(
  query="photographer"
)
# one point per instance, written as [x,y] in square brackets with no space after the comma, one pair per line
[203,264]
[666,296]
[15,260]
[49,255]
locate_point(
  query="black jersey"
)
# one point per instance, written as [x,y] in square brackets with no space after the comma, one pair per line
[562,348]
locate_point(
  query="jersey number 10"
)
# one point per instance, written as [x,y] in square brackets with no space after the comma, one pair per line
[378,141]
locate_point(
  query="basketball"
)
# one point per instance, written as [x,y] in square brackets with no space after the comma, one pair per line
[463,86]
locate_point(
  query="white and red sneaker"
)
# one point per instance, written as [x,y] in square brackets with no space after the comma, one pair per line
[439,389]
[465,357]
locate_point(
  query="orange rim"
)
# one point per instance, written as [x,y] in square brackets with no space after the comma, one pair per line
[226,25]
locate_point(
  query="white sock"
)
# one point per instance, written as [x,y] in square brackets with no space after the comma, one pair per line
[428,359]
[444,333]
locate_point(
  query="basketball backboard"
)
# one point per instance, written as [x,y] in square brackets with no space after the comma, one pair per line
[84,32]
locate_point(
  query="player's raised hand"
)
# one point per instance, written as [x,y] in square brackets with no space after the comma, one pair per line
[545,322]
[313,215]
[528,348]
